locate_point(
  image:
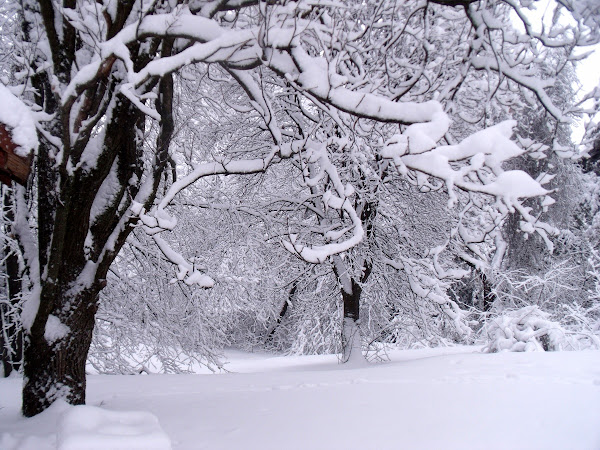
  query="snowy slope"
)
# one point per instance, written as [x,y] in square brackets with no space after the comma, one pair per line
[423,399]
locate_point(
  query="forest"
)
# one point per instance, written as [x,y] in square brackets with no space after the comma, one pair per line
[295,179]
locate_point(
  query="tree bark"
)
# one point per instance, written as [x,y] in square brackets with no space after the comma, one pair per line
[283,311]
[55,369]
[489,297]
[351,335]
[352,290]
[72,273]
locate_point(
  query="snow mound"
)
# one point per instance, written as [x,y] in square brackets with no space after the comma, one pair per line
[525,330]
[92,428]
[39,431]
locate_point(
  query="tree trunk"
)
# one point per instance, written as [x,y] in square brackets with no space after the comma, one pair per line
[351,292]
[351,334]
[283,311]
[54,365]
[489,297]
[77,242]
[73,274]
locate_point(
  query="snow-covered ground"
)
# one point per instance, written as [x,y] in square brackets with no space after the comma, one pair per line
[452,398]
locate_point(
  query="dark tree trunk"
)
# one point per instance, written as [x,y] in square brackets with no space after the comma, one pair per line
[352,302]
[351,335]
[283,311]
[54,365]
[489,297]
[351,289]
[56,369]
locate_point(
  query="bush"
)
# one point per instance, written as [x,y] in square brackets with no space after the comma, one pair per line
[531,329]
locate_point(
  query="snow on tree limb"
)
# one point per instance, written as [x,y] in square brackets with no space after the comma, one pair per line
[187,273]
[337,199]
[487,148]
[18,118]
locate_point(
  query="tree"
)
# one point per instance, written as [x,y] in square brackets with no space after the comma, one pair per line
[481,82]
[99,78]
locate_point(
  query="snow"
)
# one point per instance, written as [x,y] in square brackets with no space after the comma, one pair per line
[450,398]
[516,184]
[92,428]
[55,329]
[107,192]
[31,306]
[187,272]
[317,254]
[17,117]
[487,148]
[352,338]
[83,76]
[524,329]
